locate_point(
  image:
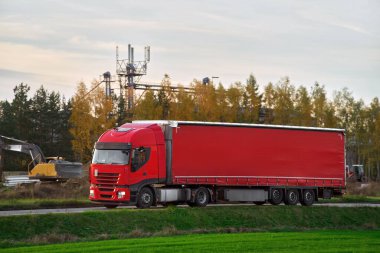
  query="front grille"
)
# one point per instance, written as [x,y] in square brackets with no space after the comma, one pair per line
[107,181]
[106,196]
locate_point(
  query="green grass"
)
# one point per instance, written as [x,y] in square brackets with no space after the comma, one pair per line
[315,241]
[23,204]
[123,223]
[41,203]
[352,199]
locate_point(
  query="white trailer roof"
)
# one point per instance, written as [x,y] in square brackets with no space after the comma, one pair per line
[175,123]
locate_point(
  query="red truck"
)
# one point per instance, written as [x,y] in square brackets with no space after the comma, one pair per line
[145,163]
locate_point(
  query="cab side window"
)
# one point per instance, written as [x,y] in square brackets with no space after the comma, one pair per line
[140,156]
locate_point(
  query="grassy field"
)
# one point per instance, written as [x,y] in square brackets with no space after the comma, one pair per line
[41,203]
[311,241]
[352,199]
[37,203]
[126,223]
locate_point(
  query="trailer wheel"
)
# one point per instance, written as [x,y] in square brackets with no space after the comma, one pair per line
[291,197]
[308,198]
[145,198]
[202,197]
[276,196]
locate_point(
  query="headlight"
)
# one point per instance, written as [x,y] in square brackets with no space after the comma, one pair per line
[92,193]
[120,195]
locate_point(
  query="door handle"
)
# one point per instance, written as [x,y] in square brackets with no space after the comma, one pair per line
[144,174]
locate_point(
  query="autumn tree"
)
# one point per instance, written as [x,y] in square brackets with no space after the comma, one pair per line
[269,100]
[183,107]
[102,112]
[221,104]
[205,101]
[80,124]
[252,100]
[283,108]
[303,108]
[147,107]
[319,102]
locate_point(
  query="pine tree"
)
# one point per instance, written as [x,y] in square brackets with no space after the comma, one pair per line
[21,108]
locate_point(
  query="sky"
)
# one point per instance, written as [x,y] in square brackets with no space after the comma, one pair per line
[58,44]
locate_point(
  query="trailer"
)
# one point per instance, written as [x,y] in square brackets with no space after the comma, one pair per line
[145,163]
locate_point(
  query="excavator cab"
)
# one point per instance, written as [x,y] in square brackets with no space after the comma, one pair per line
[356,173]
[41,167]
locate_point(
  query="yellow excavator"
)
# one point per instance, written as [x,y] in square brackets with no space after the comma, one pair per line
[40,167]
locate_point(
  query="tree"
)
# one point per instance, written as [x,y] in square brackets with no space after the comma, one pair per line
[40,118]
[7,119]
[283,108]
[254,99]
[319,102]
[221,104]
[165,98]
[205,101]
[183,108]
[303,108]
[121,112]
[147,108]
[80,122]
[21,108]
[234,99]
[102,112]
[269,100]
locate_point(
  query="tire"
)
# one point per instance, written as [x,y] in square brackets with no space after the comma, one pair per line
[308,198]
[145,198]
[259,203]
[276,196]
[202,197]
[292,197]
[109,206]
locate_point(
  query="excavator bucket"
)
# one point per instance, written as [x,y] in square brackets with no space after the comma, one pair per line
[67,169]
[56,170]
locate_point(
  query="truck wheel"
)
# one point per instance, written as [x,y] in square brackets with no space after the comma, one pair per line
[276,196]
[291,197]
[308,198]
[202,197]
[145,198]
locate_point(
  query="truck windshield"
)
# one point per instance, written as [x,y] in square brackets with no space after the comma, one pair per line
[108,156]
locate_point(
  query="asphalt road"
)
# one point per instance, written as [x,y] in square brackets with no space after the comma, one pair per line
[100,208]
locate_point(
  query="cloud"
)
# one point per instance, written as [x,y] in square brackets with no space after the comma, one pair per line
[18,30]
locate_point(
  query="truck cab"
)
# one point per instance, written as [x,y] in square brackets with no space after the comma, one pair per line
[125,160]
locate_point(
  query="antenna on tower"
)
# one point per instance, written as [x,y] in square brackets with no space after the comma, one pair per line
[130,72]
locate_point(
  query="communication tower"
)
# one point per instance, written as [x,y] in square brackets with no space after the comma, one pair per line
[129,72]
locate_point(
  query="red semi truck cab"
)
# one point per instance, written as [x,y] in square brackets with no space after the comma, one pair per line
[144,163]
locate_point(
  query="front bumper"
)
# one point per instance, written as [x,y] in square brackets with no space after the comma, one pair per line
[117,195]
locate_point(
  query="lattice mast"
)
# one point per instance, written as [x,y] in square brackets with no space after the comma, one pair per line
[129,73]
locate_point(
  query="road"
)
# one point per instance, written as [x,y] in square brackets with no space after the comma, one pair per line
[87,209]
